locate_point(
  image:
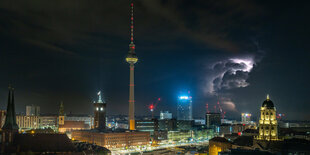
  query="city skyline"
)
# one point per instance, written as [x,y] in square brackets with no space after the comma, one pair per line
[56,57]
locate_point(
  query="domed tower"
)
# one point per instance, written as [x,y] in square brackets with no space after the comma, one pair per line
[131,59]
[268,124]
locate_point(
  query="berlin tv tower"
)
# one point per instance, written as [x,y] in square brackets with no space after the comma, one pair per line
[131,59]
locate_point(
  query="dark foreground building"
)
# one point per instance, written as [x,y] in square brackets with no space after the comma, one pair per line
[13,142]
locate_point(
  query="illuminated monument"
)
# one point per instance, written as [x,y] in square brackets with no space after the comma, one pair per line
[268,125]
[118,138]
[100,112]
[131,59]
[184,108]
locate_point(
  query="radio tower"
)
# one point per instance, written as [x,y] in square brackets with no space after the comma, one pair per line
[131,59]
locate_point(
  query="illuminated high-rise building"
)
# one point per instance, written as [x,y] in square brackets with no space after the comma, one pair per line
[100,113]
[131,59]
[184,108]
[268,124]
[245,117]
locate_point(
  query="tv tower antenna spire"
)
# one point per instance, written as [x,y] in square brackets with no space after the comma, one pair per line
[131,59]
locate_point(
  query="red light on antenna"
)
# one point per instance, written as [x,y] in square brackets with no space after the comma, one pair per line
[159,99]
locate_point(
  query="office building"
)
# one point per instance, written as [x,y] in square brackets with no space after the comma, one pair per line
[167,124]
[165,115]
[245,118]
[32,110]
[28,122]
[213,119]
[147,125]
[184,108]
[113,139]
[185,124]
[49,121]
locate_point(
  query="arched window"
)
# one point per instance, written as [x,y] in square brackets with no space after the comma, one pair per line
[266,113]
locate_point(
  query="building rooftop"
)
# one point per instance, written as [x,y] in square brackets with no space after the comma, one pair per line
[44,143]
[219,139]
[74,124]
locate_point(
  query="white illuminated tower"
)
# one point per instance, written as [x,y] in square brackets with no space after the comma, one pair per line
[131,59]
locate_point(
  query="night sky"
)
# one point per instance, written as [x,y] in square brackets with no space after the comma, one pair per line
[232,51]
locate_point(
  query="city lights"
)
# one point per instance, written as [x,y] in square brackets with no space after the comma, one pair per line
[184,97]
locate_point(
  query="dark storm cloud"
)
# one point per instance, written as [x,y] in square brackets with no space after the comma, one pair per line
[210,22]
[68,50]
[54,25]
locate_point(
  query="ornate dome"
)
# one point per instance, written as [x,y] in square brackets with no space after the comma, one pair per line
[268,103]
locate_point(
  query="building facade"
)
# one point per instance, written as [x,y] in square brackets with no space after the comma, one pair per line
[165,115]
[245,118]
[49,121]
[218,144]
[113,139]
[28,122]
[184,108]
[32,110]
[213,119]
[87,119]
[2,117]
[268,125]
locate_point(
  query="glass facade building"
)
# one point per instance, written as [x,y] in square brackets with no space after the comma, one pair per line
[184,108]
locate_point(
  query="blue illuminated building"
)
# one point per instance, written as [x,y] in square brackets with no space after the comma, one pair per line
[184,109]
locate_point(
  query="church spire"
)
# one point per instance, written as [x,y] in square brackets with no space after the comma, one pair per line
[10,119]
[61,109]
[268,97]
